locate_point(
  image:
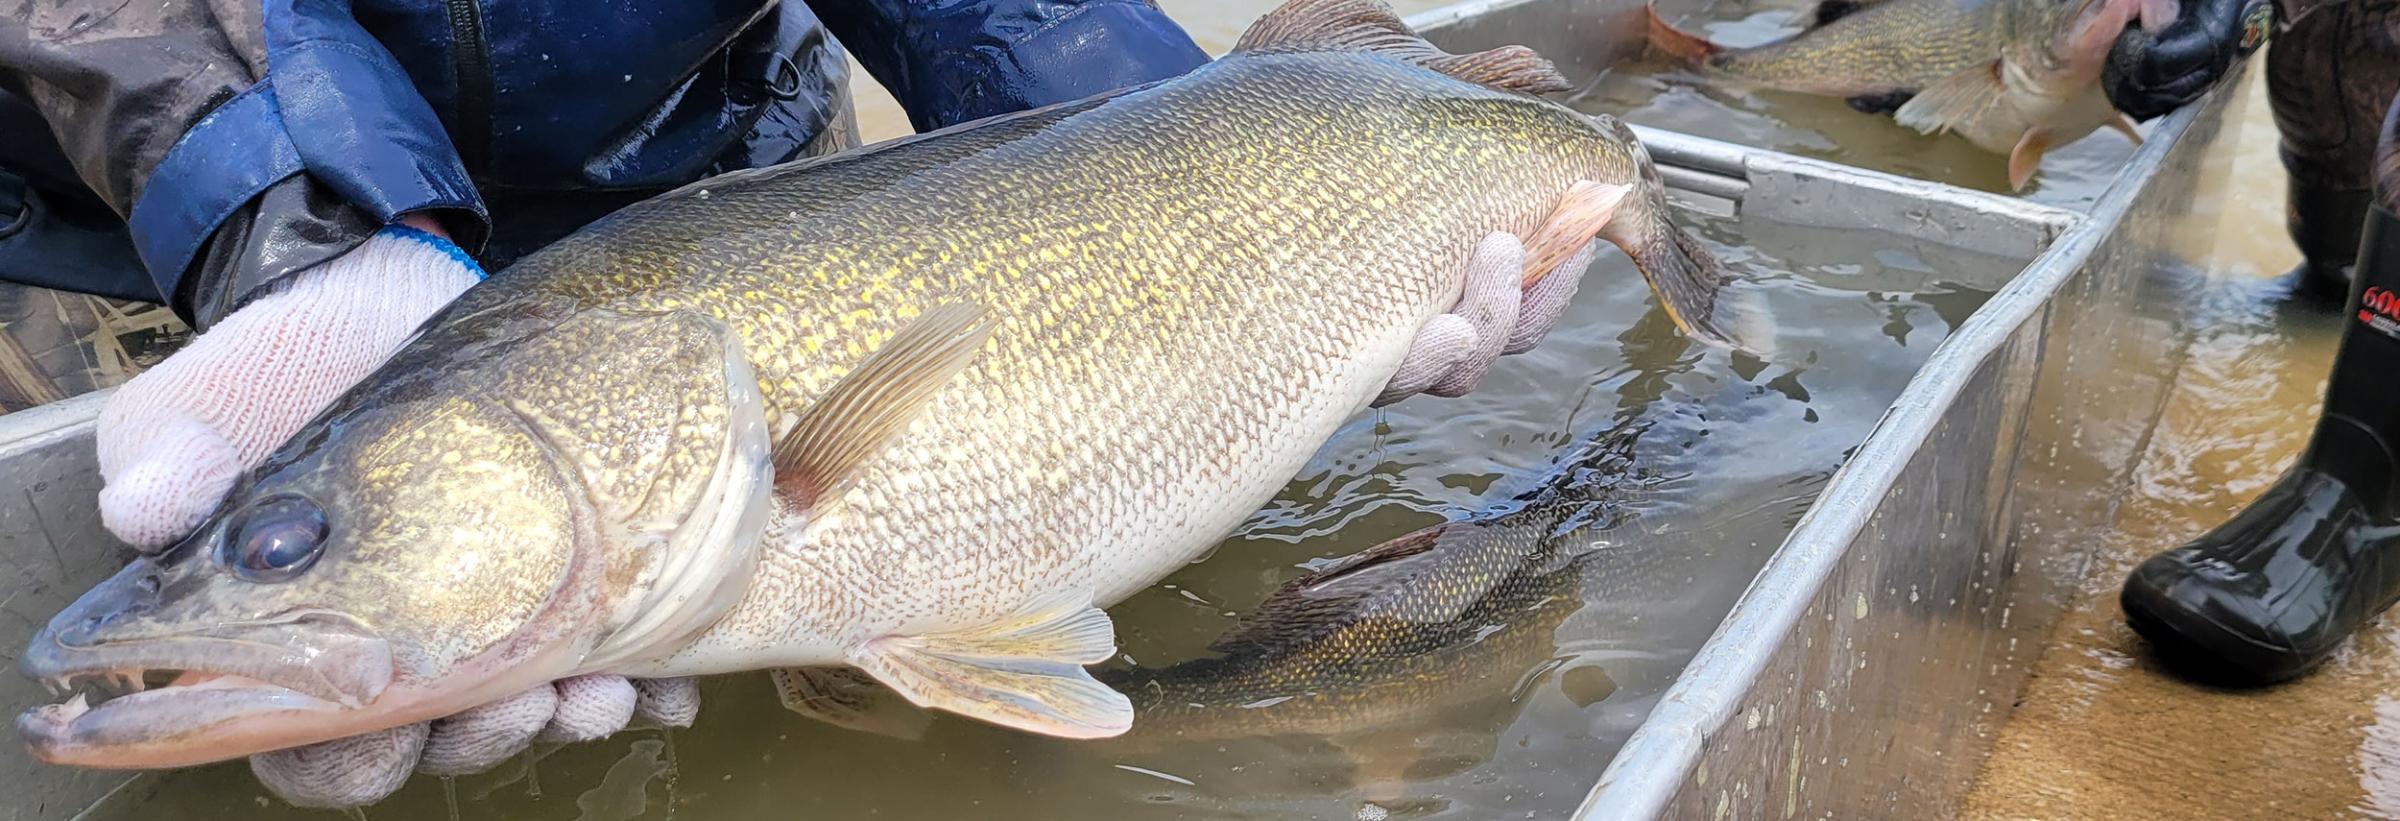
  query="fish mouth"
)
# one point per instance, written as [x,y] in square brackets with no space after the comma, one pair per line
[194,698]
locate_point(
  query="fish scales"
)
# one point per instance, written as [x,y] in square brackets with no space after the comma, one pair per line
[918,410]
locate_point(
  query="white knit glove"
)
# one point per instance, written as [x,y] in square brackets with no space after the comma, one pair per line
[1495,316]
[363,769]
[173,440]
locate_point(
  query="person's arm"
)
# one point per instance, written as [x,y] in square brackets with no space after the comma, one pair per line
[242,142]
[2148,75]
[950,61]
[290,193]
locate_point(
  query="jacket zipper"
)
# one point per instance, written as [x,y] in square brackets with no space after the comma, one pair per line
[471,73]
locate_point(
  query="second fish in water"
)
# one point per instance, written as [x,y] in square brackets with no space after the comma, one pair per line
[2016,77]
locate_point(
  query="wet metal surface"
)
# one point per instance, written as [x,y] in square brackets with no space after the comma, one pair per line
[1867,669]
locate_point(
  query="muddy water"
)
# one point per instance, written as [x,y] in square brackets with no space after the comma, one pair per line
[1738,446]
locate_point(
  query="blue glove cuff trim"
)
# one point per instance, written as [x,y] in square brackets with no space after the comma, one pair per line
[448,248]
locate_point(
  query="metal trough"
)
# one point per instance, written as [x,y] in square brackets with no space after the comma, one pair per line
[1866,667]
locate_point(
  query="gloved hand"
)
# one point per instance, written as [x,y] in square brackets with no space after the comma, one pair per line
[363,769]
[173,440]
[2151,74]
[1496,315]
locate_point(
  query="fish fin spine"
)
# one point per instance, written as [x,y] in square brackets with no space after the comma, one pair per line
[874,403]
[1025,672]
[1369,25]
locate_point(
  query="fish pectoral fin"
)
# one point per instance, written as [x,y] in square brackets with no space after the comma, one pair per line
[849,699]
[875,402]
[2027,157]
[1025,672]
[2124,125]
[1581,212]
[1954,100]
[1666,39]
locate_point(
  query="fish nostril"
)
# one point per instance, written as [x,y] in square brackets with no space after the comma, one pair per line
[148,584]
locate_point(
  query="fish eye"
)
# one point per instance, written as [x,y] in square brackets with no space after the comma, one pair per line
[274,539]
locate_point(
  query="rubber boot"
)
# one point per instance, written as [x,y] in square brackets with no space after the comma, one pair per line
[2324,223]
[2268,595]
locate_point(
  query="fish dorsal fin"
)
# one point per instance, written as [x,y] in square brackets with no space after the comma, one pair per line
[1369,25]
[876,402]
[1307,608]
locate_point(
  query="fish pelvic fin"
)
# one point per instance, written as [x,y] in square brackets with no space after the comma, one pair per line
[1677,43]
[1682,272]
[1581,212]
[1369,25]
[849,699]
[876,402]
[2027,157]
[1025,672]
[1954,100]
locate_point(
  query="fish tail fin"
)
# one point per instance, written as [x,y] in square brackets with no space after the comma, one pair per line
[1684,274]
[1369,25]
[1675,42]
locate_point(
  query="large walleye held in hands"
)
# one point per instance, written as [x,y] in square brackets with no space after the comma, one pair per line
[2015,77]
[914,412]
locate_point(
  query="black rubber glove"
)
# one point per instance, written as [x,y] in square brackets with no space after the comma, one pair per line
[2148,75]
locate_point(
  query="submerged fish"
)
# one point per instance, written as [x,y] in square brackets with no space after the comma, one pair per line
[913,413]
[1381,646]
[2015,77]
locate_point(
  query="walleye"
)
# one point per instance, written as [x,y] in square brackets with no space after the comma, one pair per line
[1451,621]
[914,413]
[2015,77]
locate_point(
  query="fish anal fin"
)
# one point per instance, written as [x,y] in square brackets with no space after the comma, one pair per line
[1581,212]
[849,699]
[1954,100]
[1025,672]
[1666,39]
[875,402]
[2027,157]
[1369,25]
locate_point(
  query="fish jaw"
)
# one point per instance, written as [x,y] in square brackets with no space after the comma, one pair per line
[242,687]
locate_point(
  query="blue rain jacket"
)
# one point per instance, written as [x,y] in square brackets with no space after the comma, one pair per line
[242,143]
